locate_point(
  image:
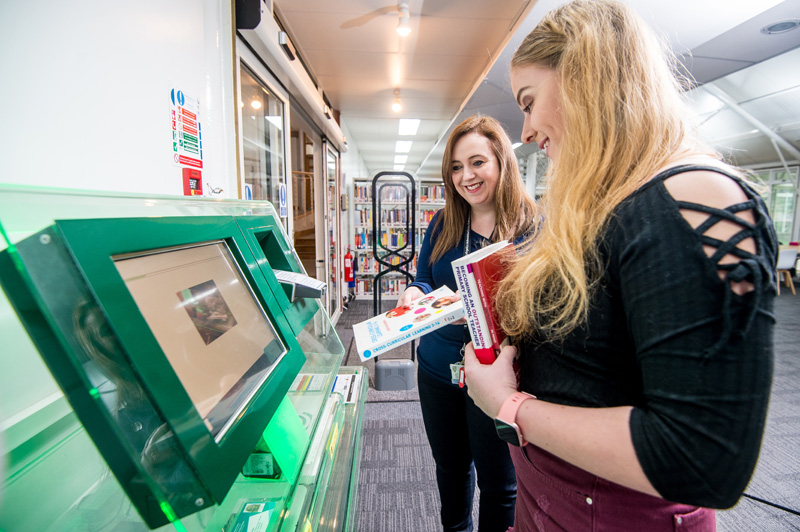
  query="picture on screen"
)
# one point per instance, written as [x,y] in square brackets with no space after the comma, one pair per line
[208,310]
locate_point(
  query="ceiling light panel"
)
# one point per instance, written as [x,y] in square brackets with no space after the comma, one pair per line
[408,126]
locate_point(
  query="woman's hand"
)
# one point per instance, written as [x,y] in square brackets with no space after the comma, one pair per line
[455,298]
[490,384]
[411,294]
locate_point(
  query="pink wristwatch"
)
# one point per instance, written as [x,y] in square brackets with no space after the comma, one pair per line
[506,421]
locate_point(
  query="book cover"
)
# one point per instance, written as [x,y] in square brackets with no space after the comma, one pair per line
[400,325]
[488,272]
[476,311]
[476,321]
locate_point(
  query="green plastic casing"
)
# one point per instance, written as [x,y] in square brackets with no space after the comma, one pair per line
[52,274]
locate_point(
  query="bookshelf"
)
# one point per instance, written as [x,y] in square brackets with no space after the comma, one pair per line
[430,198]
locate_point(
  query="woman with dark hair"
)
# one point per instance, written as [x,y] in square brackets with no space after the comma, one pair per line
[486,202]
[642,312]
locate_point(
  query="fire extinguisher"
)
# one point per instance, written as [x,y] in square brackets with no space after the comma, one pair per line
[348,266]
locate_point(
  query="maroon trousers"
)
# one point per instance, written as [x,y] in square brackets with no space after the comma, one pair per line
[553,495]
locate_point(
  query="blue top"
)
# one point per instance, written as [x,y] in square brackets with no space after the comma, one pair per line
[442,347]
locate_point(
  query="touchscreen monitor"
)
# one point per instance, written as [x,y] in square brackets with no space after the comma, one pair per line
[207,321]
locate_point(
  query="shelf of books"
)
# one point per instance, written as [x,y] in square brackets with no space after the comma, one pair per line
[431,199]
[364,265]
[392,220]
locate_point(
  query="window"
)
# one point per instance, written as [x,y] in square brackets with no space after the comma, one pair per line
[781,198]
[262,115]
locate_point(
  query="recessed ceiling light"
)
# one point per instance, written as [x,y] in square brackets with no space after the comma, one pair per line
[400,159]
[403,146]
[408,126]
[399,167]
[780,27]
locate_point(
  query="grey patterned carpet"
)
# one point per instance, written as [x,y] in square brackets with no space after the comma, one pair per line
[397,486]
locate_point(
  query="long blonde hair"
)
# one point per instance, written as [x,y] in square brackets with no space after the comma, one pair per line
[624,118]
[514,208]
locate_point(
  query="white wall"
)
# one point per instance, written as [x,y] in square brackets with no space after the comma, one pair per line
[85,105]
[353,167]
[85,98]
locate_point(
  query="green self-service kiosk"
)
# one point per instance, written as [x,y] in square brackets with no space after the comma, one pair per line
[207,389]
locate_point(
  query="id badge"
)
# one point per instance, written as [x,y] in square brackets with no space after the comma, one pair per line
[456,372]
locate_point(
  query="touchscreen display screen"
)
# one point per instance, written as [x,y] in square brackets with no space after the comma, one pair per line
[203,313]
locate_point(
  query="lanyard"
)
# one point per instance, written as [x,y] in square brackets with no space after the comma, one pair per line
[466,235]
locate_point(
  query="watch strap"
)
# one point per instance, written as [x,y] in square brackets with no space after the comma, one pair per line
[510,408]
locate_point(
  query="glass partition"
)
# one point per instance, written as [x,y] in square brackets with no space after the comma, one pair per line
[334,230]
[780,194]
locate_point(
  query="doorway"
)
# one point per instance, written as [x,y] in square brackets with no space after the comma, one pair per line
[303,187]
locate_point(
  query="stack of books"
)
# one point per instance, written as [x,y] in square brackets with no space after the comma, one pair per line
[477,275]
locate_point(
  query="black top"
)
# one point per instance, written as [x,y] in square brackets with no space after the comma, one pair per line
[666,335]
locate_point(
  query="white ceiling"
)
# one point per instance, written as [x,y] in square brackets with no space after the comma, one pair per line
[454,63]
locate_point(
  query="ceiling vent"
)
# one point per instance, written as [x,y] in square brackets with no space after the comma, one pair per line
[780,27]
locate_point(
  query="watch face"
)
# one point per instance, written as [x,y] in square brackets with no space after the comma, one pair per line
[507,433]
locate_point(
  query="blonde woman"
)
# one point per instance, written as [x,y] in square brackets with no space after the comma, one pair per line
[642,311]
[486,201]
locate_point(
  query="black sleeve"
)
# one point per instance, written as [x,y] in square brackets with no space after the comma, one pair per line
[705,353]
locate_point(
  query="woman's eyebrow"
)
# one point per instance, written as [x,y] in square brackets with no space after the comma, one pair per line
[519,93]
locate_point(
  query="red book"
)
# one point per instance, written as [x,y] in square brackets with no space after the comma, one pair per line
[488,272]
[477,307]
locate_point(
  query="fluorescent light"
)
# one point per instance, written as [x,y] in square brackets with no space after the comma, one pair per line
[399,167]
[403,146]
[400,159]
[408,126]
[516,145]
